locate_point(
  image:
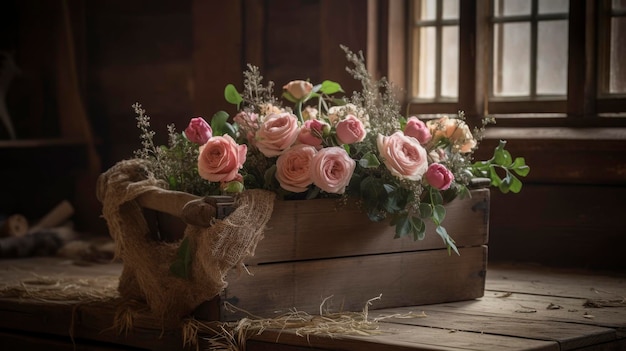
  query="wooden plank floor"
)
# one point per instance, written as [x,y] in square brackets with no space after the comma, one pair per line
[524,308]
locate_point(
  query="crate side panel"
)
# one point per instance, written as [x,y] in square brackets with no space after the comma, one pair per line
[302,230]
[403,279]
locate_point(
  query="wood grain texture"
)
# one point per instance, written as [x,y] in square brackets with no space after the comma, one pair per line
[313,229]
[398,337]
[403,279]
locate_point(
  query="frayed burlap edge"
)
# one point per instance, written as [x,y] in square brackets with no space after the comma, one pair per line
[215,250]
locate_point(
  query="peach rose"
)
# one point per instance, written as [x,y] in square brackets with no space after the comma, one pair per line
[350,130]
[438,176]
[455,130]
[309,113]
[403,155]
[312,132]
[331,169]
[198,131]
[292,168]
[418,130]
[220,159]
[298,88]
[277,133]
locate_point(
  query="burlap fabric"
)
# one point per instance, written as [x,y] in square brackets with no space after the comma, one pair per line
[146,263]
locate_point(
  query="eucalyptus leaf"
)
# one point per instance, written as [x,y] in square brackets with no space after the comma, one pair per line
[443,233]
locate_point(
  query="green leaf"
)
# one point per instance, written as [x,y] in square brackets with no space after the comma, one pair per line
[515,185]
[181,267]
[329,87]
[219,122]
[426,210]
[233,187]
[369,160]
[403,226]
[232,95]
[439,213]
[287,96]
[436,197]
[418,228]
[339,102]
[519,166]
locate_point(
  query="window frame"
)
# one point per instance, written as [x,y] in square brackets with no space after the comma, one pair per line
[582,107]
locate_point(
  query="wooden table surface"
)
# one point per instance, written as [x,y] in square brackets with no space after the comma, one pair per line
[524,308]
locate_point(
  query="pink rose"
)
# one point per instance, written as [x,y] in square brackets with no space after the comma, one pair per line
[312,132]
[298,88]
[418,130]
[292,168]
[438,176]
[220,159]
[350,130]
[198,131]
[404,157]
[277,133]
[331,169]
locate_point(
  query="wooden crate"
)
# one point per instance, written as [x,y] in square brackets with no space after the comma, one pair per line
[312,251]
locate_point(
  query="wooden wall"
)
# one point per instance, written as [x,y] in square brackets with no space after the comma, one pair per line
[175,57]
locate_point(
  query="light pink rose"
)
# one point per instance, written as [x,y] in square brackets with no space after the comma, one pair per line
[198,131]
[404,157]
[331,169]
[298,88]
[293,168]
[350,130]
[277,133]
[438,176]
[312,131]
[418,130]
[220,159]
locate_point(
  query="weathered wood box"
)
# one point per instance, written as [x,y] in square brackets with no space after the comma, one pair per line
[312,251]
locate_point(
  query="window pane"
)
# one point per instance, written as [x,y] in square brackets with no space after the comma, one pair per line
[553,6]
[427,56]
[552,58]
[450,9]
[512,7]
[427,9]
[450,62]
[511,71]
[617,75]
[619,4]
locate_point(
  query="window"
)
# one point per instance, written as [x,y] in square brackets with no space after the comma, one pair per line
[612,51]
[436,44]
[526,62]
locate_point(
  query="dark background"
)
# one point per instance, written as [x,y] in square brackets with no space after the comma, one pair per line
[71,106]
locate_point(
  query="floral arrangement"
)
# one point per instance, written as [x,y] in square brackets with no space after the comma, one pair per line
[316,142]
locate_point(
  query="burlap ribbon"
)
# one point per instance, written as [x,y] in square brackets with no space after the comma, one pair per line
[215,250]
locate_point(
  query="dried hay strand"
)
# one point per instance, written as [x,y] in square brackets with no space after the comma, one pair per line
[232,336]
[63,289]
